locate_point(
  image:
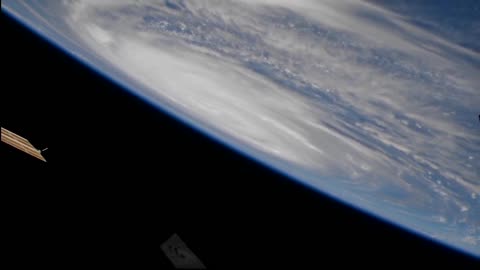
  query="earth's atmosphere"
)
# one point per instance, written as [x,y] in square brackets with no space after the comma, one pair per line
[374,104]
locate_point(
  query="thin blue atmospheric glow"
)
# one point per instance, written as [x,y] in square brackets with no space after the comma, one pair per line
[188,122]
[311,179]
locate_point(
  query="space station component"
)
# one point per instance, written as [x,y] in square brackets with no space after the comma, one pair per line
[21,144]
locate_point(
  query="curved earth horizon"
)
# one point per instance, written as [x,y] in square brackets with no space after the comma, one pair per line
[372,103]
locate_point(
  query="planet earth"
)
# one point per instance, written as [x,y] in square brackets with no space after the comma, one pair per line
[373,103]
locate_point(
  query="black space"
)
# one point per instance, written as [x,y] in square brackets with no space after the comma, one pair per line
[122,177]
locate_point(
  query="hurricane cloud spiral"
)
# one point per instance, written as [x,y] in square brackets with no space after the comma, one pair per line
[352,98]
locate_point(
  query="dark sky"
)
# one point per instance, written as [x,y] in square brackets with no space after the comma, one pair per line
[122,177]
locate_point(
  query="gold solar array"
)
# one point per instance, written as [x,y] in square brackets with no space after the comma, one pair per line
[21,144]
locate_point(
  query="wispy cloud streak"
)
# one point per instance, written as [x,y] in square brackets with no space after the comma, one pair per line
[355,98]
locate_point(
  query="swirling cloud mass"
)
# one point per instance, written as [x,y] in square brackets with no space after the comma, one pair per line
[350,97]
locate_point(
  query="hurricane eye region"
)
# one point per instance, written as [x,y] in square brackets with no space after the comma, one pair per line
[373,104]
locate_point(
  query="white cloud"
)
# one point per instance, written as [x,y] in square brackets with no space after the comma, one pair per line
[290,78]
[336,89]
